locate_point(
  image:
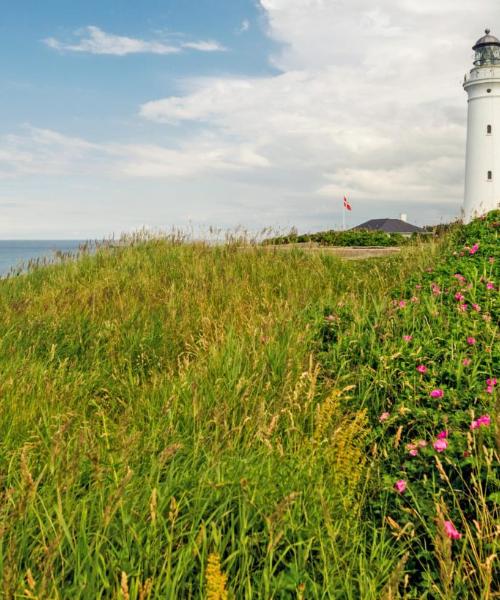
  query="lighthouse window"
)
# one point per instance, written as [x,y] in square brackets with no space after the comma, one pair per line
[488,129]
[489,91]
[490,175]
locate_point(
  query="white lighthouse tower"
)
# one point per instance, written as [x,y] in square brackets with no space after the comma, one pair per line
[482,170]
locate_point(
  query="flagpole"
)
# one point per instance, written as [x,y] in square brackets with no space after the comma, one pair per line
[343,218]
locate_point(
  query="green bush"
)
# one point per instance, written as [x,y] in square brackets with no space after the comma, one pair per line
[360,237]
[427,370]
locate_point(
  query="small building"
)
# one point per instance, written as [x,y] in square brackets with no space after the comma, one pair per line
[400,226]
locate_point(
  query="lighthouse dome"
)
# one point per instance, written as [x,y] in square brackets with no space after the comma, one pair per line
[487,40]
[487,50]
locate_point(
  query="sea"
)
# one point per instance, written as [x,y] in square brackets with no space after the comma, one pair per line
[16,254]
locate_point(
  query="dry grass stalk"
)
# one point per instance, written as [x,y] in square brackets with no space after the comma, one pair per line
[124,586]
[443,552]
[390,591]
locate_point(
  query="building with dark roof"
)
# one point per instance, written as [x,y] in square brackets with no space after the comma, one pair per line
[389,226]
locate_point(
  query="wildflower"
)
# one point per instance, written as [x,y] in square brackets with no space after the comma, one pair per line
[216,580]
[490,286]
[407,338]
[330,318]
[463,308]
[422,369]
[459,296]
[471,341]
[474,249]
[437,393]
[421,443]
[418,286]
[442,435]
[440,445]
[459,277]
[466,362]
[400,486]
[484,420]
[436,290]
[412,449]
[401,304]
[489,389]
[450,531]
[491,381]
[384,416]
[414,299]
[476,307]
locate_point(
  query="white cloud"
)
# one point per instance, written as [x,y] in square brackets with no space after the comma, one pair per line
[244,27]
[93,40]
[205,46]
[45,152]
[368,100]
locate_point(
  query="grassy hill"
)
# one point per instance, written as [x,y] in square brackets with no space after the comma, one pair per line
[184,421]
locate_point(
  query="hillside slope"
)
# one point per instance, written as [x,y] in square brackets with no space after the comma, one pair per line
[181,421]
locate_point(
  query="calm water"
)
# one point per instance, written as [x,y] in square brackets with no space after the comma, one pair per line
[15,253]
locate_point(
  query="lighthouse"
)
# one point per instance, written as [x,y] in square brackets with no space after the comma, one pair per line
[482,168]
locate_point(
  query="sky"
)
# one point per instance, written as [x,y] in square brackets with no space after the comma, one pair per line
[192,114]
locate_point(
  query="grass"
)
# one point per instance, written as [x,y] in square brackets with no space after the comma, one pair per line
[181,421]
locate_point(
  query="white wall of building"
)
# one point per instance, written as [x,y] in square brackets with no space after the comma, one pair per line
[483,148]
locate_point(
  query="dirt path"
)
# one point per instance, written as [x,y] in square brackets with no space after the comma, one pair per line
[350,252]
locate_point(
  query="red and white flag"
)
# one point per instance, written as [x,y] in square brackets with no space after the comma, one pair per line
[346,204]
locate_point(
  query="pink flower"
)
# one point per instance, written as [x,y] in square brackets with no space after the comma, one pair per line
[422,369]
[401,303]
[384,416]
[489,389]
[436,290]
[484,421]
[466,362]
[412,449]
[476,307]
[442,435]
[418,286]
[407,338]
[414,299]
[463,308]
[471,341]
[490,286]
[450,531]
[437,393]
[459,277]
[459,296]
[474,249]
[400,486]
[491,381]
[440,445]
[421,443]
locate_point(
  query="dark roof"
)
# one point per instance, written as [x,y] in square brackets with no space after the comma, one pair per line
[389,226]
[486,40]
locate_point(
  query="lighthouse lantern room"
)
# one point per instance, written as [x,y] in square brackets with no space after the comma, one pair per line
[482,169]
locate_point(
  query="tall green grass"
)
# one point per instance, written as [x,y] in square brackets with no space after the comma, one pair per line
[171,430]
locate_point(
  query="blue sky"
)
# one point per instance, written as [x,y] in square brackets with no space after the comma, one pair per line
[253,113]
